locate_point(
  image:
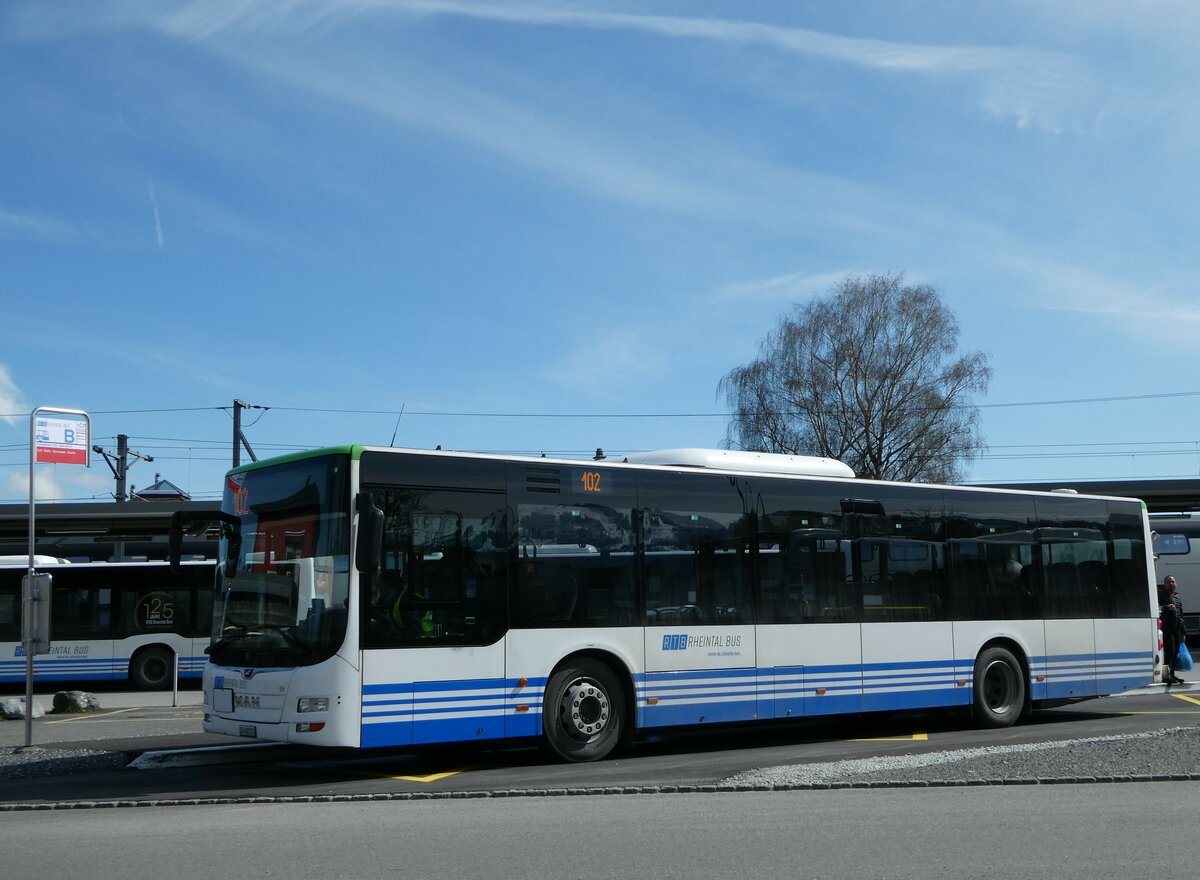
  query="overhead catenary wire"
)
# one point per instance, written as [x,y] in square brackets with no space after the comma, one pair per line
[993,453]
[586,415]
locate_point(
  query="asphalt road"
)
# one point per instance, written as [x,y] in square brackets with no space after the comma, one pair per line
[1075,832]
[181,762]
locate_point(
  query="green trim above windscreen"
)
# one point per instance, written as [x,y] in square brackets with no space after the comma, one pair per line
[353,451]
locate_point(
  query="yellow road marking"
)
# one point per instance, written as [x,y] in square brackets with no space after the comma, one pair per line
[91,718]
[82,716]
[432,777]
[916,737]
[1166,712]
[1187,698]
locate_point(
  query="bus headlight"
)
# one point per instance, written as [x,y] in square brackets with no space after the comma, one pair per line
[312,704]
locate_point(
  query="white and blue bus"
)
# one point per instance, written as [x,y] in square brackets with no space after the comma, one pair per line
[112,621]
[1177,554]
[375,597]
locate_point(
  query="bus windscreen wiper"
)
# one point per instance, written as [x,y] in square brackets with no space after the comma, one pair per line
[250,630]
[293,640]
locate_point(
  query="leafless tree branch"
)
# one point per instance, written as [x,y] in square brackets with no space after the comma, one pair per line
[867,374]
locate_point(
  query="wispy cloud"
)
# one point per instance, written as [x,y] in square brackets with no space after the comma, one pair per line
[181,363]
[11,398]
[1035,87]
[509,128]
[790,287]
[19,224]
[878,54]
[56,483]
[1128,302]
[1167,311]
[158,231]
[609,363]
[200,21]
[683,171]
[1031,86]
[211,216]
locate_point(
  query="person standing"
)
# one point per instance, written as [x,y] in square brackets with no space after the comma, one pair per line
[1171,614]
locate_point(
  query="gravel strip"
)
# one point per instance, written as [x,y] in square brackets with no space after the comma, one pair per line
[29,763]
[1171,752]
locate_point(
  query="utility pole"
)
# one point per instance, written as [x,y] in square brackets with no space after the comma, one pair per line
[118,463]
[239,439]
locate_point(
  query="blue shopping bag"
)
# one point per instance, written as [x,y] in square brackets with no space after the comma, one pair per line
[1183,662]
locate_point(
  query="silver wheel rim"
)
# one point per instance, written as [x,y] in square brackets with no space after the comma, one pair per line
[584,710]
[999,687]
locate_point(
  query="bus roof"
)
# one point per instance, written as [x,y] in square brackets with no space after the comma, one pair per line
[739,460]
[684,457]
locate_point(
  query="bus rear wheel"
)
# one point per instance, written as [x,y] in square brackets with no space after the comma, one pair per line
[150,669]
[999,688]
[583,714]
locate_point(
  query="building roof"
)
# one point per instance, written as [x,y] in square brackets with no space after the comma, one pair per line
[100,518]
[161,490]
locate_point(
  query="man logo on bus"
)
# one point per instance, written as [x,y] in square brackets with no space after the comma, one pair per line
[677,642]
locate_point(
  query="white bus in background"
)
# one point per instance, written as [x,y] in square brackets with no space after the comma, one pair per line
[111,621]
[1177,553]
[458,597]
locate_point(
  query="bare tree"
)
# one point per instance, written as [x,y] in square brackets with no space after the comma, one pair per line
[866,375]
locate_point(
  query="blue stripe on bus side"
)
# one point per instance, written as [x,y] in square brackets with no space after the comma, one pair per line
[827,689]
[917,685]
[449,711]
[1086,675]
[50,668]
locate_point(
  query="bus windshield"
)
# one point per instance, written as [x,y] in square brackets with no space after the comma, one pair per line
[284,602]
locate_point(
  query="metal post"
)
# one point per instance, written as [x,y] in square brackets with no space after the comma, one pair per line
[27,597]
[174,679]
[237,432]
[239,439]
[69,445]
[122,467]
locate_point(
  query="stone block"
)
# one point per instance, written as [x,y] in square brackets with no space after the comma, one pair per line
[13,708]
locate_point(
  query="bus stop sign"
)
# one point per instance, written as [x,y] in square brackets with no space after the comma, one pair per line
[61,437]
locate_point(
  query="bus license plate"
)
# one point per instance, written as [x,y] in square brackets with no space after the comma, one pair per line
[248,730]
[223,700]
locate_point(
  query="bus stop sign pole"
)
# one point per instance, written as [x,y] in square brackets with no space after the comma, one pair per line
[56,436]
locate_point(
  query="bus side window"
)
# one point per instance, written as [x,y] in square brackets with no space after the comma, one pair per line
[991,540]
[10,607]
[444,572]
[697,562]
[81,613]
[575,563]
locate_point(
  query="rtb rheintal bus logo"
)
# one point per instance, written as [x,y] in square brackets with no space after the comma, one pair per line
[683,641]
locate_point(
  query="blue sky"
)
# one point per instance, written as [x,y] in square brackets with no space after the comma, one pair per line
[536,226]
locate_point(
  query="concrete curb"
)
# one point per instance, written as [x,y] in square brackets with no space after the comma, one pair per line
[591,792]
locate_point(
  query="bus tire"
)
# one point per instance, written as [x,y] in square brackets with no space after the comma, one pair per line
[150,669]
[998,688]
[583,715]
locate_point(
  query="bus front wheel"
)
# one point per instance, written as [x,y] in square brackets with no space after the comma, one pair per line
[999,688]
[150,669]
[584,711]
